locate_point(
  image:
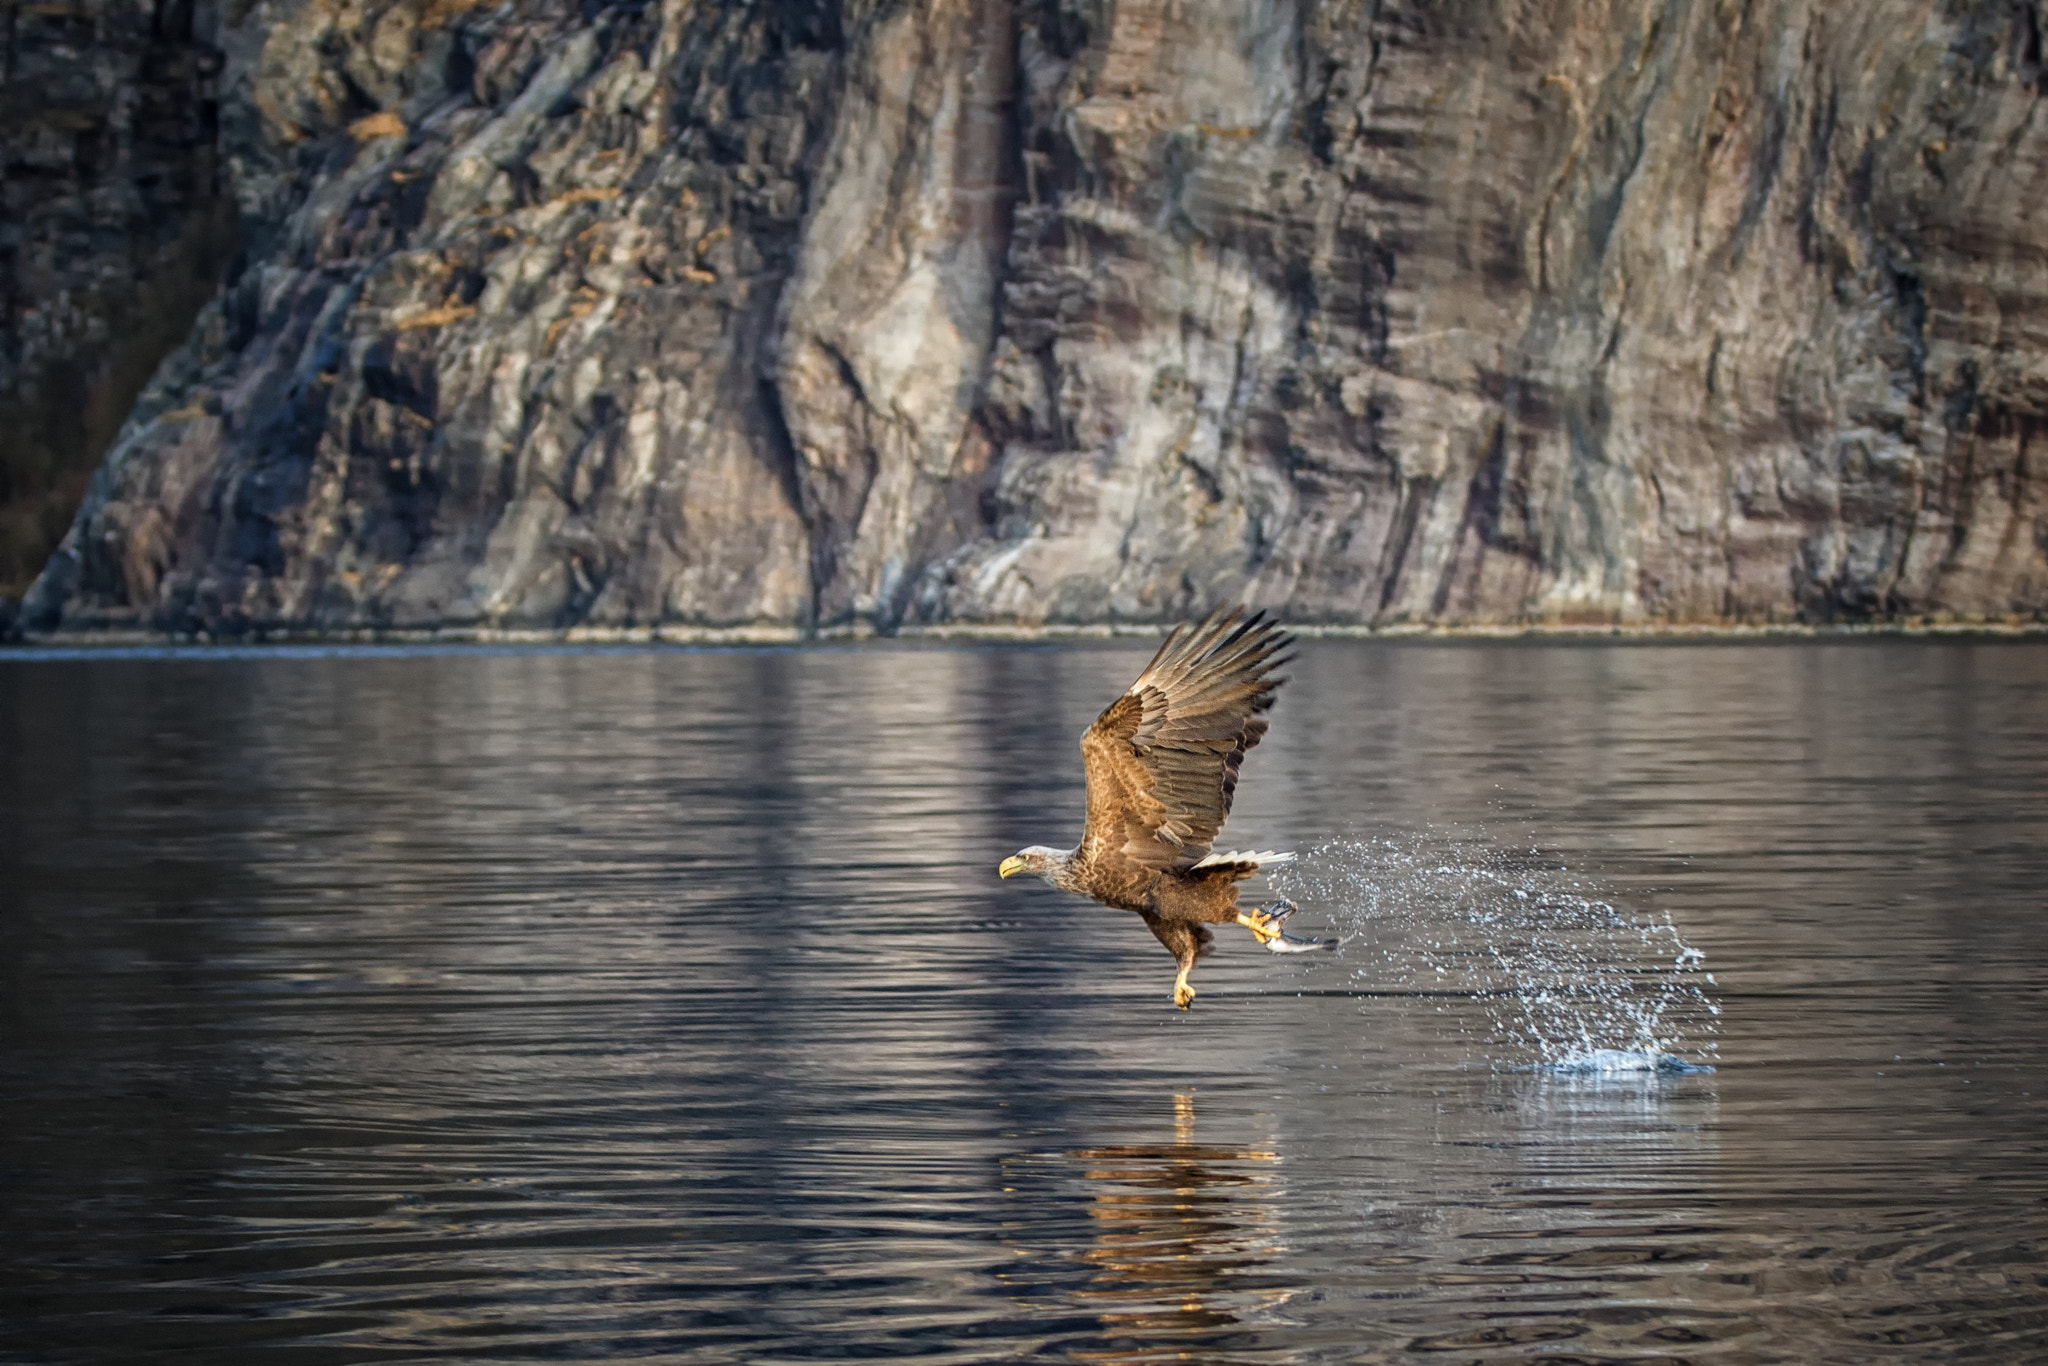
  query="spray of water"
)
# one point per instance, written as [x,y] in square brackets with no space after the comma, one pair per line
[1563,978]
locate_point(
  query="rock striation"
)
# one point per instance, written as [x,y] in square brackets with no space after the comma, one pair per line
[802,314]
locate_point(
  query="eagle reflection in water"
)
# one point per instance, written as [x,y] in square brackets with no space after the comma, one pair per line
[1181,1232]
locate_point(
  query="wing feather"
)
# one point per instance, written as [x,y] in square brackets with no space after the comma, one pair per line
[1162,760]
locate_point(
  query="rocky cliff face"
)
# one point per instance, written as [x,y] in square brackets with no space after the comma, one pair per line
[956,311]
[113,232]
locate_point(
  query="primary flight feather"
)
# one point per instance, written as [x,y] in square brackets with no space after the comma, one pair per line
[1162,764]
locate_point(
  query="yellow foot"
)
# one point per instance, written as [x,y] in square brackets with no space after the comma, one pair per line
[1183,994]
[1264,927]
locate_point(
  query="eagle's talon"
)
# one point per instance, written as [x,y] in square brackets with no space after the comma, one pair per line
[1183,994]
[1264,923]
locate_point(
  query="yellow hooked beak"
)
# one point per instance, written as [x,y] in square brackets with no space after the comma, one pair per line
[1010,865]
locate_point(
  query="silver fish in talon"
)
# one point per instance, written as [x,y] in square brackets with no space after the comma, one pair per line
[1292,943]
[1276,939]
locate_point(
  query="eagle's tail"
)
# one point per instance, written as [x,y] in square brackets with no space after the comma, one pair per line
[1240,866]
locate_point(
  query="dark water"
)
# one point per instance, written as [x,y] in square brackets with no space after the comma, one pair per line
[537,1006]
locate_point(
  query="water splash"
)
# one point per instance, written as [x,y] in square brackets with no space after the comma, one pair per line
[1616,1062]
[1566,980]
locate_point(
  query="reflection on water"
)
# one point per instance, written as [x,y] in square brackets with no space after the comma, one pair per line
[1178,1227]
[547,1004]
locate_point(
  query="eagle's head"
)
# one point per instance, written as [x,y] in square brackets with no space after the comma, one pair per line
[1037,860]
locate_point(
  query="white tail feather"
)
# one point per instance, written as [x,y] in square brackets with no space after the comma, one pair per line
[1257,860]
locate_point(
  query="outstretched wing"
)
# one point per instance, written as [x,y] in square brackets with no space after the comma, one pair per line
[1162,760]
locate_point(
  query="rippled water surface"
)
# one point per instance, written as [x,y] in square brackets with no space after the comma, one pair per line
[503,1006]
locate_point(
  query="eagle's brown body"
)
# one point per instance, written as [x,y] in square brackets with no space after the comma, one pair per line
[1162,763]
[1177,906]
